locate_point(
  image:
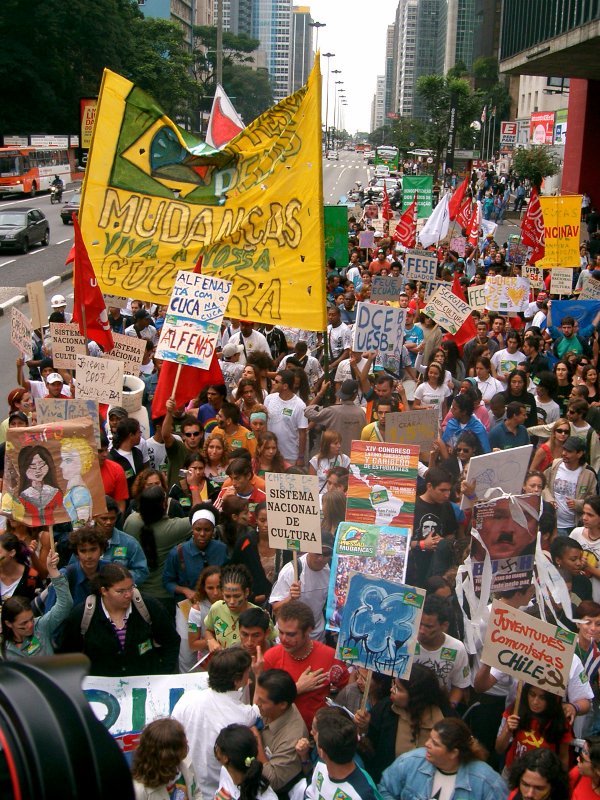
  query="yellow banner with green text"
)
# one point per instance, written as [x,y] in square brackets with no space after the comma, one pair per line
[155,198]
[562,230]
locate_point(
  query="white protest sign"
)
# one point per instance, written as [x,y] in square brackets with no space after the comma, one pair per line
[505,468]
[510,295]
[412,427]
[193,319]
[377,327]
[293,512]
[420,265]
[528,649]
[115,301]
[128,349]
[20,333]
[100,379]
[50,409]
[377,225]
[591,290]
[366,239]
[458,244]
[448,310]
[561,281]
[534,275]
[476,297]
[36,299]
[385,288]
[67,344]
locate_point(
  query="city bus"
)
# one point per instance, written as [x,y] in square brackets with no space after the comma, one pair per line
[32,169]
[388,156]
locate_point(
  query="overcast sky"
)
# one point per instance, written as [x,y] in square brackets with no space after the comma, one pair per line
[355,31]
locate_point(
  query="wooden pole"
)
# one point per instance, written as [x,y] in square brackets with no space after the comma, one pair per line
[365,697]
[52,543]
[175,382]
[295,565]
[518,697]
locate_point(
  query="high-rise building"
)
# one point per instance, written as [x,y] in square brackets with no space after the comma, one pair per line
[237,16]
[302,55]
[486,33]
[182,12]
[431,17]
[459,28]
[378,104]
[405,48]
[390,70]
[272,26]
[204,12]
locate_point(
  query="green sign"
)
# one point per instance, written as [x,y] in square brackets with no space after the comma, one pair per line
[336,234]
[423,186]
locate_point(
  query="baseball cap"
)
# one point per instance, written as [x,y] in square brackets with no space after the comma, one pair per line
[58,301]
[380,251]
[574,444]
[118,411]
[348,389]
[378,235]
[232,349]
[542,296]
[54,377]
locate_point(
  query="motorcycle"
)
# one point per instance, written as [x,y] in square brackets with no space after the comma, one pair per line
[56,193]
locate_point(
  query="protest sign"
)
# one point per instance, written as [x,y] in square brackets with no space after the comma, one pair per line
[529,649]
[50,409]
[52,474]
[36,299]
[509,295]
[376,224]
[380,551]
[379,625]
[458,244]
[448,310]
[584,311]
[20,333]
[432,287]
[366,239]
[391,361]
[67,344]
[476,297]
[420,265]
[336,232]
[423,186]
[100,379]
[591,290]
[562,230]
[293,512]
[561,281]
[115,301]
[125,705]
[516,253]
[505,468]
[193,320]
[128,349]
[412,427]
[377,327]
[534,275]
[385,287]
[371,211]
[507,533]
[382,483]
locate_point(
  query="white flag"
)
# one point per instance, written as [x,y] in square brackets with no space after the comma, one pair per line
[224,122]
[437,225]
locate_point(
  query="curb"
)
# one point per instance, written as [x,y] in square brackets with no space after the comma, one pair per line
[21,299]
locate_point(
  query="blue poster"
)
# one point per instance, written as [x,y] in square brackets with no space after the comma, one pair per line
[379,625]
[583,311]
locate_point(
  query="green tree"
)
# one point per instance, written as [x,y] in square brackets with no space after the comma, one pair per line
[535,163]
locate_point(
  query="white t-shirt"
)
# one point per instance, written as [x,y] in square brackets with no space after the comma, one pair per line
[432,397]
[39,389]
[489,388]
[286,417]
[339,338]
[323,465]
[449,662]
[226,784]
[255,343]
[591,555]
[565,488]
[313,587]
[443,785]
[552,410]
[344,370]
[505,362]
[157,454]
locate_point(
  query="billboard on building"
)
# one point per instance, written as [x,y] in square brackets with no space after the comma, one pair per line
[560,126]
[508,134]
[541,127]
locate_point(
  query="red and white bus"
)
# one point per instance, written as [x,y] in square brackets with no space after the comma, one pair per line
[32,169]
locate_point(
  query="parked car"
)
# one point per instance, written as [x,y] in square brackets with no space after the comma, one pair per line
[391,184]
[20,228]
[382,171]
[333,155]
[70,207]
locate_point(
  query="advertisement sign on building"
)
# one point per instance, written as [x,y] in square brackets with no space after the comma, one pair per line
[541,127]
[508,133]
[560,126]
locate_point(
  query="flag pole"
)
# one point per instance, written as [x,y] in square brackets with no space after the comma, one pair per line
[175,382]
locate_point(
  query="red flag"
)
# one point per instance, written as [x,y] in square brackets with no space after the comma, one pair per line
[454,206]
[89,308]
[467,330]
[191,379]
[386,209]
[474,225]
[464,213]
[406,229]
[532,228]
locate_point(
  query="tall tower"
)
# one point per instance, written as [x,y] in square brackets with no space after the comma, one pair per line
[272,26]
[302,56]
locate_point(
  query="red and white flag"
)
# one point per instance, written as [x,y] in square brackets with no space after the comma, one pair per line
[532,228]
[474,225]
[224,122]
[454,205]
[406,229]
[386,209]
[465,212]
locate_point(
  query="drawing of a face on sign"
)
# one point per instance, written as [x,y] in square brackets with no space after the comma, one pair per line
[52,474]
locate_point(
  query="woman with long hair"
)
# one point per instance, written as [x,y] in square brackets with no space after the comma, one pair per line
[208,591]
[161,767]
[248,397]
[589,373]
[241,770]
[268,457]
[486,383]
[192,487]
[330,455]
[585,777]
[588,536]
[516,391]
[18,400]
[539,774]
[234,517]
[216,457]
[157,534]
[146,479]
[467,445]
[333,507]
[562,370]
[454,362]
[553,448]
[479,351]
[258,420]
[301,386]
[433,392]
[580,362]
[17,576]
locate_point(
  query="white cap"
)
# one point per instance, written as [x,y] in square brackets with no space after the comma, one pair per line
[58,301]
[54,377]
[232,349]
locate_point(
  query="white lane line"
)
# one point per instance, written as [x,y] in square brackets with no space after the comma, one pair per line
[62,241]
[31,200]
[37,252]
[4,263]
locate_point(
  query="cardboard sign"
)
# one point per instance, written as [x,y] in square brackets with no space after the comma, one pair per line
[505,468]
[458,244]
[377,327]
[562,230]
[369,549]
[383,484]
[128,349]
[517,254]
[52,474]
[67,344]
[36,299]
[561,281]
[528,649]
[20,333]
[534,275]
[50,409]
[476,295]
[115,301]
[509,295]
[420,265]
[591,290]
[366,240]
[507,528]
[193,320]
[448,310]
[100,379]
[379,625]
[385,287]
[412,427]
[293,512]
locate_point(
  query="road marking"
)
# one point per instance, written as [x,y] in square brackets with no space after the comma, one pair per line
[36,252]
[62,241]
[4,263]
[32,200]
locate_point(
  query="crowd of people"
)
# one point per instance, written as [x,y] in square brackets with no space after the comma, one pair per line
[178,573]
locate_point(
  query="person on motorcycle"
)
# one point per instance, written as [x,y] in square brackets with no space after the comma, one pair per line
[58,185]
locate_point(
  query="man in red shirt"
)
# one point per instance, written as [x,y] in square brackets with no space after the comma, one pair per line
[240,472]
[311,664]
[113,475]
[379,263]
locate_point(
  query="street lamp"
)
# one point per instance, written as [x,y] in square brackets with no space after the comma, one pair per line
[335,100]
[328,56]
[317,25]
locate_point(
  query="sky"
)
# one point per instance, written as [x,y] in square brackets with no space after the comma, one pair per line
[355,31]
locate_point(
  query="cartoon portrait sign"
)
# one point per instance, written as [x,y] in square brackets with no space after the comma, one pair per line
[52,474]
[379,625]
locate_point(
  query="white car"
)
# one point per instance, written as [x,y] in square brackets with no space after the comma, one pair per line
[382,171]
[333,155]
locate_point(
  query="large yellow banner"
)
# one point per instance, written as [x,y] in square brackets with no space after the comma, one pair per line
[155,199]
[562,229]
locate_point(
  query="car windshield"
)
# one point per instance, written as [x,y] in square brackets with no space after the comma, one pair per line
[76,199]
[13,218]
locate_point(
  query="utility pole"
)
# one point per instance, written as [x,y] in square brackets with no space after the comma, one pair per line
[328,56]
[220,42]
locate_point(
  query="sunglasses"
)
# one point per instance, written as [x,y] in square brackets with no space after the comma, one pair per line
[562,430]
[195,433]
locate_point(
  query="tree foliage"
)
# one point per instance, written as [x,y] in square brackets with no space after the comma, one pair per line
[535,163]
